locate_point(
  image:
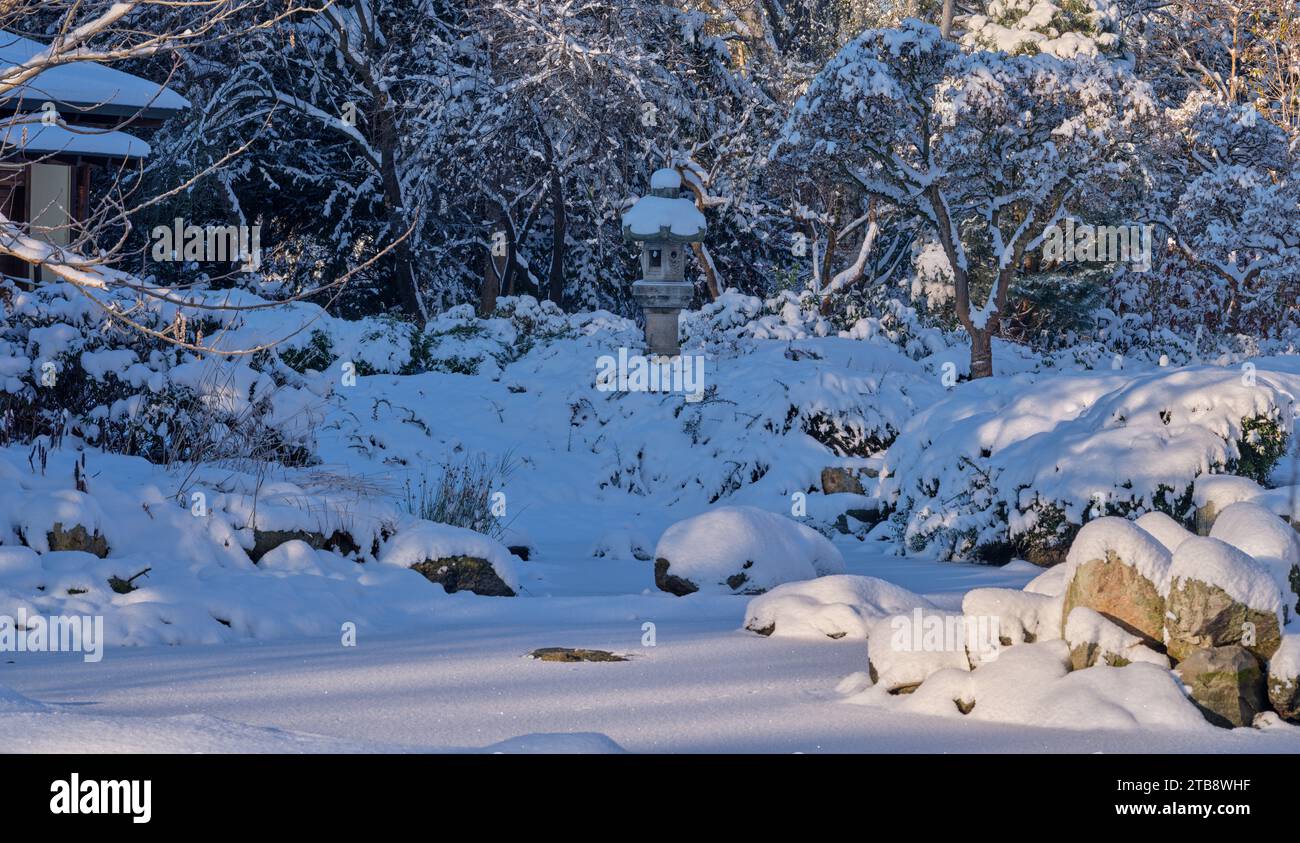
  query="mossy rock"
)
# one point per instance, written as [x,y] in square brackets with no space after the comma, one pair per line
[1115,589]
[575,654]
[76,538]
[837,480]
[1043,556]
[464,573]
[1284,696]
[1202,616]
[1204,518]
[1090,653]
[1226,684]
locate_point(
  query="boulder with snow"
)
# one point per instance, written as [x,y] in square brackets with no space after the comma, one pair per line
[1215,492]
[1033,685]
[20,568]
[625,542]
[265,541]
[1219,596]
[904,650]
[1284,679]
[1264,536]
[1119,570]
[1166,530]
[1051,582]
[1226,683]
[519,543]
[836,480]
[326,519]
[837,606]
[740,550]
[1021,617]
[65,519]
[455,558]
[1094,639]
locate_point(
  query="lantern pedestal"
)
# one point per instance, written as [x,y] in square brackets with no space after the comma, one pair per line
[662,302]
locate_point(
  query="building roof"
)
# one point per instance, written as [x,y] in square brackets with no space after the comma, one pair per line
[26,134]
[84,87]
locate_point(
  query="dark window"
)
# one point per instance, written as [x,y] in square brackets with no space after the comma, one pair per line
[13,203]
[656,257]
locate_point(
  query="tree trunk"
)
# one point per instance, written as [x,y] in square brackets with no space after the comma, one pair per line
[945,25]
[403,286]
[487,302]
[981,353]
[555,282]
[981,339]
[710,271]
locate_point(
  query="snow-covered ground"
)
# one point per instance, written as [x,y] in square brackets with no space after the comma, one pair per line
[215,643]
[464,682]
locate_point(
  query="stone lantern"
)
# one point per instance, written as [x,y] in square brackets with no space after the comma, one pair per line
[665,225]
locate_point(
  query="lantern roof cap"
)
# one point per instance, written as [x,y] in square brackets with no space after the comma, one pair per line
[665,180]
[664,215]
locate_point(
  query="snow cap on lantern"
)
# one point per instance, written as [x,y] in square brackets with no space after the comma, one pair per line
[664,223]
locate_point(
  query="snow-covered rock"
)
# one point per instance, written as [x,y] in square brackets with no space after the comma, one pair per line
[1118,569]
[904,650]
[837,606]
[1215,492]
[623,543]
[1226,683]
[1051,582]
[1094,639]
[1266,538]
[1022,616]
[741,550]
[61,520]
[1032,685]
[455,558]
[1284,679]
[1166,530]
[1219,596]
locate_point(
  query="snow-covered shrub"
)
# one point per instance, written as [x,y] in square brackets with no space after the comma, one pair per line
[1019,466]
[69,370]
[875,314]
[1065,28]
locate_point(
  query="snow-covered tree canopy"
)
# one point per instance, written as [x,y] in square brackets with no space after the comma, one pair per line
[991,149]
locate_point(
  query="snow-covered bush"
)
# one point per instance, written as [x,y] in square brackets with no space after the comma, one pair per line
[67,369]
[1066,28]
[1018,467]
